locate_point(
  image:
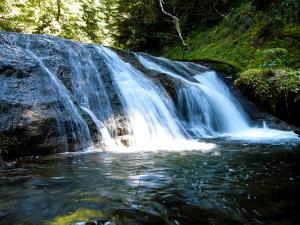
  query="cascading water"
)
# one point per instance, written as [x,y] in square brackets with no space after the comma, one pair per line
[92,97]
[61,96]
[80,132]
[152,120]
[207,107]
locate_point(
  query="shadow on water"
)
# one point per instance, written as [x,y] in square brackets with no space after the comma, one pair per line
[233,184]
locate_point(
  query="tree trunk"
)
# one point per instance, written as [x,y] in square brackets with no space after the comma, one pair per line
[58,10]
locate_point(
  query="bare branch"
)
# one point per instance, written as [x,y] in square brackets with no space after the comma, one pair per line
[175,20]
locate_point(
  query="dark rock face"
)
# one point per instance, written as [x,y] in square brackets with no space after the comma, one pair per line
[25,99]
[33,114]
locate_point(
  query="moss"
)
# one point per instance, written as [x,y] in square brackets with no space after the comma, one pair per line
[277,90]
[287,80]
[278,79]
[291,30]
[225,67]
[81,215]
[256,84]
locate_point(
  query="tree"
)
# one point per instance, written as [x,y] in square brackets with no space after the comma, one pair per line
[131,24]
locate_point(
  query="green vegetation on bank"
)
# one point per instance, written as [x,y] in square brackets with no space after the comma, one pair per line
[248,37]
[258,46]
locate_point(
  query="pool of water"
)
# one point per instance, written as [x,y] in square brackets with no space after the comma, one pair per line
[235,183]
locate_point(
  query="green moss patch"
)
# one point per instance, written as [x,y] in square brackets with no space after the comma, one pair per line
[271,87]
[80,215]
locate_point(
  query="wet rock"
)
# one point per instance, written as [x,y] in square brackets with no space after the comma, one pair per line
[103,222]
[35,118]
[138,217]
[7,165]
[297,132]
[98,222]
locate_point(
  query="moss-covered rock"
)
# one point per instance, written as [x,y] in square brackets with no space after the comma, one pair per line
[276,90]
[228,68]
[80,215]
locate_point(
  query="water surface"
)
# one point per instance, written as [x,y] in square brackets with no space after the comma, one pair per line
[235,183]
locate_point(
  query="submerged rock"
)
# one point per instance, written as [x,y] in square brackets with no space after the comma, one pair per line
[77,218]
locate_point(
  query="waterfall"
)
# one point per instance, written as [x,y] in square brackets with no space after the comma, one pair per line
[206,107]
[205,104]
[114,106]
[89,90]
[151,114]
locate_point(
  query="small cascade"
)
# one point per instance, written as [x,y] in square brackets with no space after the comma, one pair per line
[104,136]
[227,113]
[205,105]
[151,114]
[90,93]
[81,136]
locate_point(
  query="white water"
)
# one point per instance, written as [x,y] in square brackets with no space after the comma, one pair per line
[104,136]
[80,131]
[207,107]
[152,120]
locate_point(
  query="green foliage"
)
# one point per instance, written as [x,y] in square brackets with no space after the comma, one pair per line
[80,20]
[131,24]
[248,38]
[286,10]
[292,30]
